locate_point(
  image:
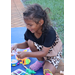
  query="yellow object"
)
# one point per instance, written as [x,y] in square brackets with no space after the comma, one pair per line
[24,61]
[25,50]
[20,62]
[47,70]
[14,65]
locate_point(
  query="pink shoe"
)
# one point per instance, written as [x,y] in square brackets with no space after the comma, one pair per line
[36,66]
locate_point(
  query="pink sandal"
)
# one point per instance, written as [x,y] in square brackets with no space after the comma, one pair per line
[36,66]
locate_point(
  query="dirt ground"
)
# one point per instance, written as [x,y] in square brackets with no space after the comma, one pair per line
[16,14]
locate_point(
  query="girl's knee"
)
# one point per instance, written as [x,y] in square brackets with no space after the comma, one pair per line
[31,45]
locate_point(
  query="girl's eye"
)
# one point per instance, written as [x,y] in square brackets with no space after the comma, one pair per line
[30,25]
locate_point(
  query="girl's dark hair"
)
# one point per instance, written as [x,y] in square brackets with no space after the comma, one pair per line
[35,12]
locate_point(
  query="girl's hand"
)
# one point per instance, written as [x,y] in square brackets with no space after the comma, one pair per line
[22,55]
[14,47]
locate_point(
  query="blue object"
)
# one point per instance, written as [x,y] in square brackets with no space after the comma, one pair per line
[23,74]
[14,62]
[17,36]
[41,61]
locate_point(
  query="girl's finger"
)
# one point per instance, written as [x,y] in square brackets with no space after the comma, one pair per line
[19,52]
[18,55]
[11,49]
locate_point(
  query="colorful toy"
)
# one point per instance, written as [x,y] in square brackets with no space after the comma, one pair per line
[19,72]
[29,71]
[47,73]
[25,60]
[14,62]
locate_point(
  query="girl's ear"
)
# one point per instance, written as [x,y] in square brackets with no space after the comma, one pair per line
[41,22]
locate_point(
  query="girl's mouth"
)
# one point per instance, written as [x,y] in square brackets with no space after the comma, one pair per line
[30,30]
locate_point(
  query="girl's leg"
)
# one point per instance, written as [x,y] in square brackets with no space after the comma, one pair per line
[34,49]
[38,64]
[49,66]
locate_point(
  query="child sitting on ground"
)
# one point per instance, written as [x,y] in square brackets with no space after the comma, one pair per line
[41,38]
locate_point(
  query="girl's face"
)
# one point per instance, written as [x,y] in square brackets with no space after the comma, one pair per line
[32,26]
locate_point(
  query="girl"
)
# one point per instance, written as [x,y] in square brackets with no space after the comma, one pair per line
[41,38]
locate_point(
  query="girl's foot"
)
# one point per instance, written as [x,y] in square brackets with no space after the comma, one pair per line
[36,66]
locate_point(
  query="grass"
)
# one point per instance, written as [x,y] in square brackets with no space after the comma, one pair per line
[56,15]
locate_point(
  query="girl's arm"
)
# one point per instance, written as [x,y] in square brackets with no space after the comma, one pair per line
[20,45]
[34,54]
[39,53]
[23,45]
